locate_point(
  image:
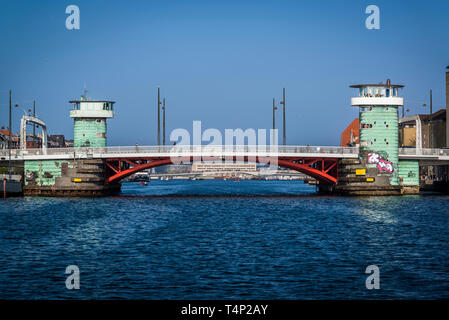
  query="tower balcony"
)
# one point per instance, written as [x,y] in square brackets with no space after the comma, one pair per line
[380,94]
[379,101]
[91,113]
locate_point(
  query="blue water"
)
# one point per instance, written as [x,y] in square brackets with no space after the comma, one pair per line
[224,240]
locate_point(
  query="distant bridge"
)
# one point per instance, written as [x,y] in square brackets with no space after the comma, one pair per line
[319,162]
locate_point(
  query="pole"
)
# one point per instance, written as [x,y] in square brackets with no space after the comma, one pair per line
[447,107]
[163,123]
[274,122]
[158,116]
[34,125]
[283,104]
[430,121]
[10,134]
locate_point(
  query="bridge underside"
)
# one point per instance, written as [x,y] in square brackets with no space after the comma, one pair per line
[325,170]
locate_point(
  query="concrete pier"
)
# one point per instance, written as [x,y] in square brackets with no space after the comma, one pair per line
[357,178]
[62,177]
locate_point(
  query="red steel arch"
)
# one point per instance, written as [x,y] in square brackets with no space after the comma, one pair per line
[325,170]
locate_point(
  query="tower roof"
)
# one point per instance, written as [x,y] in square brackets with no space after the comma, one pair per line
[78,101]
[377,85]
[387,84]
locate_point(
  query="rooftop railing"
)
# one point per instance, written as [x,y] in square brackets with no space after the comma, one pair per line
[424,152]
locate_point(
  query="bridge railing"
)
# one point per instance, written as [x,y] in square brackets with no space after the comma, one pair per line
[180,149]
[17,154]
[423,152]
[225,148]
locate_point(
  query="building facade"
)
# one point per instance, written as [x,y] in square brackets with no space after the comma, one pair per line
[223,168]
[14,139]
[423,130]
[350,136]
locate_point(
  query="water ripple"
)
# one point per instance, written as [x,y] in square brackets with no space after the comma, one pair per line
[224,240]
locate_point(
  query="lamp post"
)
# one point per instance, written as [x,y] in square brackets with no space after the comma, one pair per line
[158,116]
[274,120]
[429,122]
[9,137]
[34,125]
[163,122]
[284,137]
[10,133]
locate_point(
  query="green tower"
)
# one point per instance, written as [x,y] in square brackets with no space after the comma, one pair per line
[378,113]
[90,127]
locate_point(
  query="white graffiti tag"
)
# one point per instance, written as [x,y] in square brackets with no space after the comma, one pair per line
[382,164]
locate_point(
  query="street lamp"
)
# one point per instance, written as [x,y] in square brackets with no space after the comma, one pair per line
[429,122]
[10,133]
[274,120]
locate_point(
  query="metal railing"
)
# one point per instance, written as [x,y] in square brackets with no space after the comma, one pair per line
[187,149]
[423,152]
[216,149]
[205,149]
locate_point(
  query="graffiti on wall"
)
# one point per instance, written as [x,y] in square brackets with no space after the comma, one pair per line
[382,164]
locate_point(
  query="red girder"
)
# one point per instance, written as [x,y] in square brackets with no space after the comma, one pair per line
[321,169]
[121,174]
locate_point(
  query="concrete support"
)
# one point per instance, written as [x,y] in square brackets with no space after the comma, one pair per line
[67,178]
[355,178]
[23,131]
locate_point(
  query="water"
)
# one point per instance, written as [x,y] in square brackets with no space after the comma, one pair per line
[224,240]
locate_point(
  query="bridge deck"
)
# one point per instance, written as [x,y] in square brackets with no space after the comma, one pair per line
[117,152]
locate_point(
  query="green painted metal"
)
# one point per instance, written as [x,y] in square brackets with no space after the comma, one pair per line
[379,134]
[409,172]
[44,171]
[89,132]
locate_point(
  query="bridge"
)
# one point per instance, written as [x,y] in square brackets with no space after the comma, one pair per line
[379,167]
[319,162]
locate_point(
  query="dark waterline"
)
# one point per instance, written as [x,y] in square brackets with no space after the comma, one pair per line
[224,240]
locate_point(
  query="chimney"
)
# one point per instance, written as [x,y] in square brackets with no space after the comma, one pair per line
[447,106]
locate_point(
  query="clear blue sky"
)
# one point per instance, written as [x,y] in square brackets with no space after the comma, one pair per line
[221,62]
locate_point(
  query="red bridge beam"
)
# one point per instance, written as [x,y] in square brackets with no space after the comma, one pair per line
[324,170]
